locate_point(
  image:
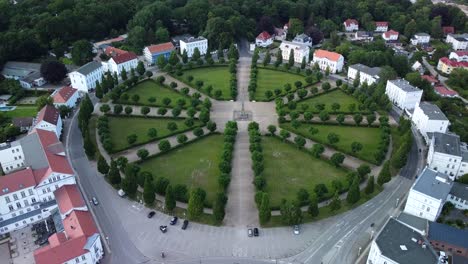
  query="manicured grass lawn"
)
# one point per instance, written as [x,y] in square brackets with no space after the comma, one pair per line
[287,169]
[369,137]
[121,127]
[150,88]
[271,79]
[336,96]
[22,111]
[195,165]
[218,77]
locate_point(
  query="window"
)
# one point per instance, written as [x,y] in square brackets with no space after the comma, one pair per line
[12,151]
[10,207]
[26,203]
[15,196]
[18,205]
[33,200]
[83,257]
[77,260]
[428,209]
[30,192]
[23,194]
[7,199]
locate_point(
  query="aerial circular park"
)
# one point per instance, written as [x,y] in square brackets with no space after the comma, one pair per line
[242,148]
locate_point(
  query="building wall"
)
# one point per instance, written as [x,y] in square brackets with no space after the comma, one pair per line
[351,27]
[456,45]
[86,82]
[381,29]
[41,215]
[424,125]
[57,129]
[364,77]
[423,206]
[401,98]
[45,190]
[445,163]
[335,66]
[376,257]
[202,46]
[459,203]
[391,37]
[298,54]
[453,249]
[12,158]
[71,103]
[262,43]
[91,257]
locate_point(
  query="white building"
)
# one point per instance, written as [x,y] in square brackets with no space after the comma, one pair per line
[11,156]
[429,118]
[459,56]
[300,51]
[351,25]
[402,94]
[397,243]
[264,39]
[66,96]
[303,39]
[28,74]
[390,35]
[363,36]
[119,60]
[420,39]
[190,44]
[49,119]
[327,59]
[459,196]
[458,41]
[428,194]
[369,75]
[448,155]
[84,79]
[381,26]
[153,52]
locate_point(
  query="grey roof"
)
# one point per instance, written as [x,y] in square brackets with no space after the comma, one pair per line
[301,38]
[404,85]
[460,190]
[464,151]
[20,69]
[192,39]
[33,152]
[422,34]
[22,121]
[366,34]
[373,71]
[433,183]
[448,234]
[395,236]
[432,111]
[89,67]
[413,221]
[447,143]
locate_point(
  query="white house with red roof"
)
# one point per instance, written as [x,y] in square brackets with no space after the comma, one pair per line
[119,60]
[381,26]
[152,52]
[264,39]
[351,25]
[327,59]
[390,35]
[66,96]
[459,55]
[49,119]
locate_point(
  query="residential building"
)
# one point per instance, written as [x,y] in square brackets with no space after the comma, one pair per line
[459,196]
[49,119]
[105,43]
[381,26]
[264,39]
[299,50]
[364,36]
[446,65]
[428,194]
[351,25]
[448,30]
[445,92]
[190,44]
[152,52]
[281,33]
[430,79]
[176,39]
[418,224]
[11,156]
[303,39]
[84,78]
[447,154]
[399,244]
[458,41]
[390,35]
[28,74]
[428,118]
[420,39]
[402,94]
[449,239]
[23,123]
[369,75]
[119,60]
[459,56]
[327,59]
[66,96]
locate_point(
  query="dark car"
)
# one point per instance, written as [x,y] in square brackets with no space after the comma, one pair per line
[174,220]
[151,214]
[185,224]
[255,231]
[163,228]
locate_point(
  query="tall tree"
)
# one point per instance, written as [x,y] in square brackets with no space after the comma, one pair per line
[148,190]
[114,174]
[195,204]
[53,71]
[291,58]
[102,165]
[264,211]
[140,68]
[170,201]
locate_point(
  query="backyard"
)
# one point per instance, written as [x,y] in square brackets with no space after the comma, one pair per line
[269,80]
[287,169]
[335,96]
[195,165]
[218,77]
[22,111]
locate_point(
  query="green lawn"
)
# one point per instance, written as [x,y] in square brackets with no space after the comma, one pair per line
[22,111]
[369,137]
[195,165]
[271,79]
[122,127]
[287,169]
[218,77]
[150,88]
[335,96]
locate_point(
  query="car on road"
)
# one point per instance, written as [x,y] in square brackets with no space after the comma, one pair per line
[296,230]
[95,201]
[174,220]
[255,231]
[249,232]
[185,224]
[163,228]
[151,214]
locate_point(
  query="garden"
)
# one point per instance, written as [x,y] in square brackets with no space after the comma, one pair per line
[213,81]
[271,80]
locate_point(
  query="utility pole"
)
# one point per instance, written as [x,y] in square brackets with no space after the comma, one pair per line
[397,200]
[359,252]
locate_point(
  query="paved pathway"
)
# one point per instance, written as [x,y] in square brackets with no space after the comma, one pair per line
[349,119]
[137,111]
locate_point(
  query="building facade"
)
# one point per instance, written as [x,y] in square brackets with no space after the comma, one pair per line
[327,59]
[448,155]
[66,96]
[390,35]
[84,78]
[11,156]
[446,238]
[447,65]
[263,39]
[299,50]
[402,94]
[351,25]
[459,56]
[428,118]
[381,26]
[458,41]
[420,39]
[369,75]
[303,39]
[459,196]
[152,52]
[49,119]
[190,44]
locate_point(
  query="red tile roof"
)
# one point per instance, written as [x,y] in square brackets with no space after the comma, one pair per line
[430,78]
[391,33]
[381,24]
[453,63]
[16,181]
[349,21]
[121,58]
[111,51]
[448,30]
[333,56]
[68,197]
[48,114]
[54,151]
[442,90]
[79,223]
[164,47]
[64,94]
[461,53]
[264,36]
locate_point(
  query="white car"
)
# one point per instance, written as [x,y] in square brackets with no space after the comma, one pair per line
[95,201]
[296,230]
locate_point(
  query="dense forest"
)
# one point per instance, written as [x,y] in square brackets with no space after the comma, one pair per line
[30,28]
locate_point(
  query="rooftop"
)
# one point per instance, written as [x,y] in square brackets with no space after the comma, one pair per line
[454,63]
[413,221]
[293,45]
[89,67]
[432,111]
[63,94]
[381,23]
[448,234]
[49,114]
[442,90]
[460,190]
[390,33]
[447,143]
[16,181]
[163,47]
[373,71]
[350,21]
[22,121]
[124,57]
[333,56]
[404,85]
[422,34]
[404,245]
[301,38]
[433,183]
[68,197]
[20,69]
[264,36]
[193,39]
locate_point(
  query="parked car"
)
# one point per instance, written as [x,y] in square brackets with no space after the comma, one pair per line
[174,220]
[121,193]
[151,214]
[163,228]
[185,224]
[95,201]
[255,231]
[296,230]
[249,232]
